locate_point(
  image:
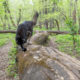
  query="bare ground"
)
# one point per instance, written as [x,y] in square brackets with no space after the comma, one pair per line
[4,60]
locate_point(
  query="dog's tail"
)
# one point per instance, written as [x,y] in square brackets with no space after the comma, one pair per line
[35,17]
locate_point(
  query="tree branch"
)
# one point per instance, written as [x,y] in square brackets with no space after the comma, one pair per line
[12,31]
[51,32]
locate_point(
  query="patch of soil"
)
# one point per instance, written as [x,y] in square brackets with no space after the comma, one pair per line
[4,60]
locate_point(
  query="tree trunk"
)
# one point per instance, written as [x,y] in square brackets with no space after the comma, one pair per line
[9,27]
[57,25]
[51,24]
[8,10]
[46,24]
[19,18]
[74,17]
[79,23]
[74,12]
[43,62]
[70,9]
[74,23]
[40,24]
[4,24]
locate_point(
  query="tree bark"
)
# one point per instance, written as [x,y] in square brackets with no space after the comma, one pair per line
[44,62]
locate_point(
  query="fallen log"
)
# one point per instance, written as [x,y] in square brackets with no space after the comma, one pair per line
[5,31]
[44,62]
[55,32]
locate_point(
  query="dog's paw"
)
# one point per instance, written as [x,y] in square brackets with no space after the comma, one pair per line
[24,49]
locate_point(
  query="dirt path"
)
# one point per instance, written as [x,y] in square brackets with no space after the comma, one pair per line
[4,60]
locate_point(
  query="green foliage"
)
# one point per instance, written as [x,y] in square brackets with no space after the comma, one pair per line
[2,7]
[65,44]
[4,38]
[11,70]
[50,15]
[37,28]
[3,41]
[74,30]
[73,27]
[55,1]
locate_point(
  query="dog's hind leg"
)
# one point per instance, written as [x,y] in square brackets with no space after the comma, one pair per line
[23,49]
[29,36]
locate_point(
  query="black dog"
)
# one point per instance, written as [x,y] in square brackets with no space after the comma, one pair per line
[25,30]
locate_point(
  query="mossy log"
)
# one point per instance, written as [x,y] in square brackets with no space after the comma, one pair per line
[46,63]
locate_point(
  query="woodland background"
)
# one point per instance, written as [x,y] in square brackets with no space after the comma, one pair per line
[60,17]
[54,15]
